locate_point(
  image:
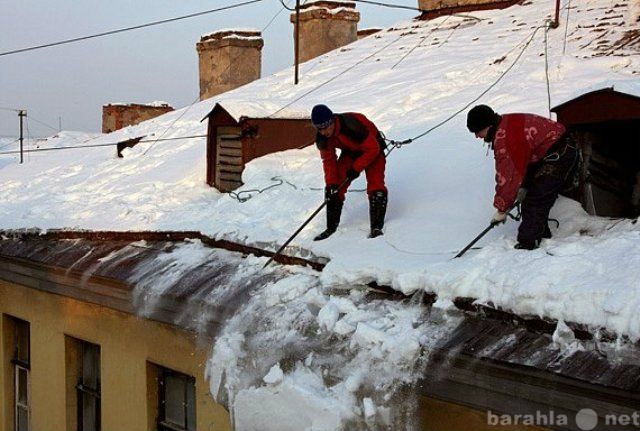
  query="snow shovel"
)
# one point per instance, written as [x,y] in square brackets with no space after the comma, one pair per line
[491,226]
[476,239]
[295,234]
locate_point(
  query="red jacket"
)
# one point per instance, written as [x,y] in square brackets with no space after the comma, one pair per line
[354,134]
[520,140]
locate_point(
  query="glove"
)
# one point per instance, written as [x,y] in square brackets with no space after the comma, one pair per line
[522,194]
[330,192]
[498,217]
[352,175]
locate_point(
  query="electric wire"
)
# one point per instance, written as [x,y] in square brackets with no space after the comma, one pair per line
[333,78]
[9,143]
[566,28]
[108,144]
[396,144]
[390,5]
[546,65]
[43,123]
[125,29]
[421,40]
[287,7]
[29,140]
[172,124]
[273,18]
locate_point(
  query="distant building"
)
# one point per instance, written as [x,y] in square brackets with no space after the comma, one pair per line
[115,116]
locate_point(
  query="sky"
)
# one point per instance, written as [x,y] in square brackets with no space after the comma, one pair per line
[68,84]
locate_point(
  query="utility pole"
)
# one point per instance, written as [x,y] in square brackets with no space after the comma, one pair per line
[21,114]
[297,41]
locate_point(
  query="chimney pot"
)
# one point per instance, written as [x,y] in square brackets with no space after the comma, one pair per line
[325,26]
[228,59]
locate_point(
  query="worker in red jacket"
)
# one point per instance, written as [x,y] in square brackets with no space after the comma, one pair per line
[533,153]
[361,149]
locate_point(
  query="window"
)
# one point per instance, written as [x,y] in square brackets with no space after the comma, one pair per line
[89,388]
[21,369]
[83,384]
[177,399]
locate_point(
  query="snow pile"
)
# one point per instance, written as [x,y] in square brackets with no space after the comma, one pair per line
[300,358]
[588,274]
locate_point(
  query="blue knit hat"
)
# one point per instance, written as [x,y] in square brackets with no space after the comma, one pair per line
[321,116]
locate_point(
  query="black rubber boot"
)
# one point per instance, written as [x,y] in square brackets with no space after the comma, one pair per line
[334,210]
[377,211]
[527,245]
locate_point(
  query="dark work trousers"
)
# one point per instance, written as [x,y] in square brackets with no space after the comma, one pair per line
[543,182]
[374,173]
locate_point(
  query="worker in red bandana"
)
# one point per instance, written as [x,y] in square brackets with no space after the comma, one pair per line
[361,149]
[533,153]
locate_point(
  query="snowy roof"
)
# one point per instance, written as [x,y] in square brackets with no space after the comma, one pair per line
[248,110]
[620,86]
[154,104]
[411,80]
[412,77]
[177,279]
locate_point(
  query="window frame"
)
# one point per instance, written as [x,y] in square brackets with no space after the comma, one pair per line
[190,384]
[82,389]
[18,366]
[21,362]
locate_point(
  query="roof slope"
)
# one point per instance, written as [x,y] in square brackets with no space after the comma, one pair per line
[408,79]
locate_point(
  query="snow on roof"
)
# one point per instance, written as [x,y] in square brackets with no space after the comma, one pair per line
[410,78]
[231,30]
[244,34]
[620,85]
[154,104]
[261,110]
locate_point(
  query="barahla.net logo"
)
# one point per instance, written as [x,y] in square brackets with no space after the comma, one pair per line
[585,419]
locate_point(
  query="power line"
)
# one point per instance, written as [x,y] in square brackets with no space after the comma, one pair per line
[395,144]
[274,17]
[566,28]
[172,124]
[43,123]
[305,94]
[421,40]
[390,5]
[108,144]
[10,143]
[121,30]
[287,7]
[546,65]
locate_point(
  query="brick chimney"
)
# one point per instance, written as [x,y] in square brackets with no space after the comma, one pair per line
[228,59]
[115,116]
[325,26]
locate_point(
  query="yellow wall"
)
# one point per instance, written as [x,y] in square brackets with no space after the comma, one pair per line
[130,347]
[126,344]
